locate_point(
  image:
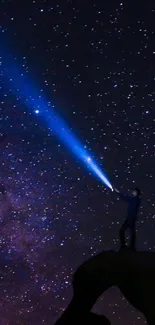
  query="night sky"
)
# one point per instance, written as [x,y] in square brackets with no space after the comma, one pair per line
[95,63]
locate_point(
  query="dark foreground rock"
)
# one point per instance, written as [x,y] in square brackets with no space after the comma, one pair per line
[132,272]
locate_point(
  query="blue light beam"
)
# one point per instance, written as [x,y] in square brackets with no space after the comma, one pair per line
[19,83]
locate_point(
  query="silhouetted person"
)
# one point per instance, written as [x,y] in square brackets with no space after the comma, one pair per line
[132,212]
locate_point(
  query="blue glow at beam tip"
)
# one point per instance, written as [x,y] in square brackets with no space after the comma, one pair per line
[29,95]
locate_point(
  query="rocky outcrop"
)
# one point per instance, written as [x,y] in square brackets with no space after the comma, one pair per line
[132,272]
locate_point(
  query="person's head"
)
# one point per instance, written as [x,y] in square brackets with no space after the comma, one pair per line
[2,189]
[136,191]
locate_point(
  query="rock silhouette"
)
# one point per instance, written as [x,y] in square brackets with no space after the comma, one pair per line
[132,272]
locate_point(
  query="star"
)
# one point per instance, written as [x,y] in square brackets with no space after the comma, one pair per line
[37,111]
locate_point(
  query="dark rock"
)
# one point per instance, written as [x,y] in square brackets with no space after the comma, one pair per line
[132,272]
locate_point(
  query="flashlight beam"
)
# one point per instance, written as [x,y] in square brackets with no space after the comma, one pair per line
[28,94]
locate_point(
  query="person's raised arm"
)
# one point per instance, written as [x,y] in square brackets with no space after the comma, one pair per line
[122,196]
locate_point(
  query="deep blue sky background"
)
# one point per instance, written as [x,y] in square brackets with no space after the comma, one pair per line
[95,61]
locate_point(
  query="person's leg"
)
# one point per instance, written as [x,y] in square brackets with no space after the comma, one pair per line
[133,236]
[122,231]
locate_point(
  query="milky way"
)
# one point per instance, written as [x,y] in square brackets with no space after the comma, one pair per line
[95,63]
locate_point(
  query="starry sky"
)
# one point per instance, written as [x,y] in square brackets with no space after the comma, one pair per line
[95,64]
